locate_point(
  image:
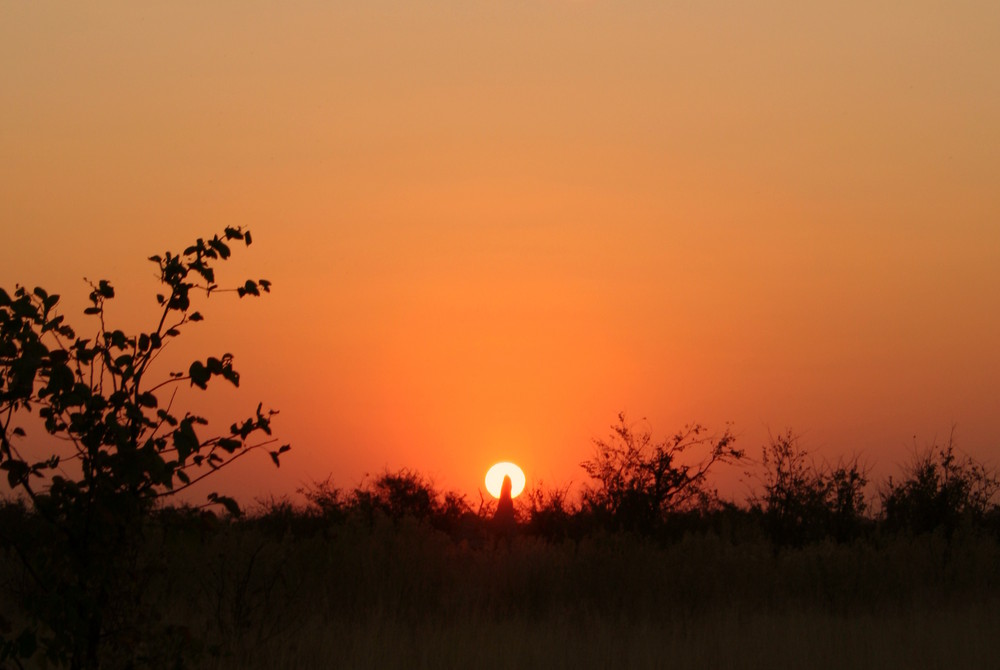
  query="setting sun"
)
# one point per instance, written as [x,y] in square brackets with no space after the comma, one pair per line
[495,475]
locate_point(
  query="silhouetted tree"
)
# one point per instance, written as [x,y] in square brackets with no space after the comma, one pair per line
[804,501]
[639,481]
[397,494]
[941,490]
[123,446]
[392,495]
[326,499]
[846,504]
[548,510]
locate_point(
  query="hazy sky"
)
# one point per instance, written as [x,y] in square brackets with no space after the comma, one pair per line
[491,226]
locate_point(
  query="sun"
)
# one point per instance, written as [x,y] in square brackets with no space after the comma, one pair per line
[495,475]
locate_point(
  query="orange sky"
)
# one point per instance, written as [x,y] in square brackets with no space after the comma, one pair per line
[492,226]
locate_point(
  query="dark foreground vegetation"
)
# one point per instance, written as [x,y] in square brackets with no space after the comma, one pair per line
[397,574]
[646,567]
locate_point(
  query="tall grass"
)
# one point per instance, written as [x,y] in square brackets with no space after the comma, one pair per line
[403,594]
[287,588]
[962,637]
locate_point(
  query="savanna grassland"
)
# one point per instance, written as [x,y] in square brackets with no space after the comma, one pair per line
[646,566]
[397,574]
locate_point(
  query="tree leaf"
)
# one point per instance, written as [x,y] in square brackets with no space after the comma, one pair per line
[220,247]
[229,445]
[185,440]
[199,375]
[231,505]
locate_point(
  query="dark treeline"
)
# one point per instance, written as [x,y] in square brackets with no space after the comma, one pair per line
[394,569]
[662,490]
[646,550]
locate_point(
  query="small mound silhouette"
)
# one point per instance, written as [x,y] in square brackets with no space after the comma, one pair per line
[503,518]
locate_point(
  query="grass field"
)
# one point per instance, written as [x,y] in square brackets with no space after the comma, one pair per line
[955,637]
[402,594]
[289,588]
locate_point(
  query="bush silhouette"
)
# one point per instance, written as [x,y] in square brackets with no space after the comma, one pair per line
[940,490]
[125,447]
[549,512]
[639,481]
[391,495]
[803,501]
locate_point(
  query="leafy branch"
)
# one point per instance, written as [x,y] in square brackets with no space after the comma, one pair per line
[127,446]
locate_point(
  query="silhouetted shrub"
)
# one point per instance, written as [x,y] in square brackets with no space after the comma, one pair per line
[803,501]
[393,495]
[548,513]
[639,481]
[278,516]
[120,449]
[941,490]
[326,499]
[396,494]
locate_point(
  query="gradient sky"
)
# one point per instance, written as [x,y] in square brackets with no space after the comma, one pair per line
[491,226]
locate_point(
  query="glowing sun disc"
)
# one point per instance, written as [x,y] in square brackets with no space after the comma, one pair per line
[494,479]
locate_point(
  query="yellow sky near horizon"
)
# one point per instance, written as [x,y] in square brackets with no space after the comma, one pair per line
[492,226]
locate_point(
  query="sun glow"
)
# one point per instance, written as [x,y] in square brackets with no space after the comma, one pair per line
[495,475]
